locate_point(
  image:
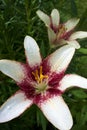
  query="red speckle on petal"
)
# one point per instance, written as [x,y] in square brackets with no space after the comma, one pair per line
[46,66]
[54,79]
[29,71]
[54,91]
[54,28]
[27,88]
[66,35]
[40,98]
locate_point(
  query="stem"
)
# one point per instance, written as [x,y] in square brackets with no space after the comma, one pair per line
[28,13]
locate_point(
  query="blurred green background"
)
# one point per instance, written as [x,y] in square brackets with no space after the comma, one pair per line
[17,19]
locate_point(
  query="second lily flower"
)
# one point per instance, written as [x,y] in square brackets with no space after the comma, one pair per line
[58,33]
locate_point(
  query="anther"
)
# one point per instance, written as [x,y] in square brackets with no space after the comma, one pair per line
[39,76]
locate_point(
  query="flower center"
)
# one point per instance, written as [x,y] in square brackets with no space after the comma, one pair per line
[61,31]
[39,77]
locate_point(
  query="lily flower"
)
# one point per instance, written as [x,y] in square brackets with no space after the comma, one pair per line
[41,82]
[58,33]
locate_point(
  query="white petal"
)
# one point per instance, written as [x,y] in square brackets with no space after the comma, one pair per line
[78,35]
[70,24]
[60,59]
[44,17]
[32,51]
[13,69]
[14,106]
[73,80]
[74,44]
[57,112]
[55,17]
[52,36]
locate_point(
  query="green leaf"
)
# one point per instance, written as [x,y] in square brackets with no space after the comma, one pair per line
[41,120]
[79,94]
[83,50]
[74,8]
[78,127]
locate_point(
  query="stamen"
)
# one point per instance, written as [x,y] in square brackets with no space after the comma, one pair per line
[39,76]
[35,74]
[61,31]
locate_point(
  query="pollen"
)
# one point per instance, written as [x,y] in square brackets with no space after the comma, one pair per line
[38,75]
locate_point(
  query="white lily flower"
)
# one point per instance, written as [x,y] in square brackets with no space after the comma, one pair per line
[58,33]
[41,82]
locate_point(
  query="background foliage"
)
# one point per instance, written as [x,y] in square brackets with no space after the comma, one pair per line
[17,19]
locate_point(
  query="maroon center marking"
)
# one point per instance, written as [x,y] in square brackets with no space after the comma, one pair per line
[55,78]
[28,84]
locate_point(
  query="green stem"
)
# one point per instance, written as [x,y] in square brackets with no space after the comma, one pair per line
[28,13]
